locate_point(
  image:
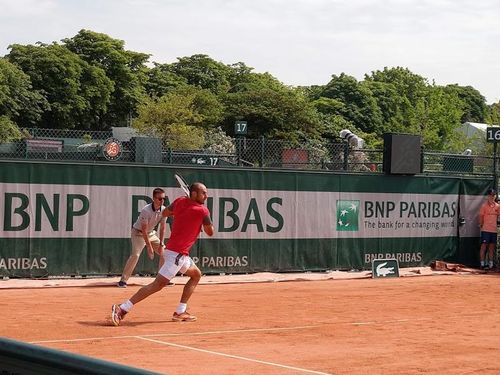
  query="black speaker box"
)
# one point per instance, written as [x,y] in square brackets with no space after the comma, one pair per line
[402,153]
[147,150]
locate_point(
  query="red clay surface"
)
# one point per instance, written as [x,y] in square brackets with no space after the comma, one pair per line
[444,324]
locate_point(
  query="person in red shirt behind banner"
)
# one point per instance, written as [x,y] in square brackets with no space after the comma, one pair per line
[488,224]
[190,215]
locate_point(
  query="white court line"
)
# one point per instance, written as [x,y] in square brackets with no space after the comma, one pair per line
[233,356]
[250,330]
[181,334]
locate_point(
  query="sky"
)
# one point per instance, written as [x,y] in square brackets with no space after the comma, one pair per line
[300,42]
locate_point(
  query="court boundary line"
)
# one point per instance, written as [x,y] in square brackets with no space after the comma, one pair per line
[232,356]
[250,330]
[182,334]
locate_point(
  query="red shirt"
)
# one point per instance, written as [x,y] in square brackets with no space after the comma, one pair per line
[188,219]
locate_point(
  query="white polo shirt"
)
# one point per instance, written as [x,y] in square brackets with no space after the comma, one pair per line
[149,216]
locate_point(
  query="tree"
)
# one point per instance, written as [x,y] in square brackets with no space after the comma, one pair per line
[392,106]
[359,105]
[494,114]
[18,101]
[75,91]
[126,70]
[180,117]
[410,105]
[283,113]
[161,80]
[398,93]
[9,131]
[475,107]
[242,78]
[439,115]
[203,72]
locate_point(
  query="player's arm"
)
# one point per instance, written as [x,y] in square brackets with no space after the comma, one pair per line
[208,227]
[482,214]
[163,228]
[168,211]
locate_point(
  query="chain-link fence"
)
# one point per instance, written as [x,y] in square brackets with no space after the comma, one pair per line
[335,155]
[445,163]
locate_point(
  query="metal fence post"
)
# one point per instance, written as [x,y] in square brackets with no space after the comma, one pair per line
[495,175]
[422,159]
[238,150]
[169,155]
[346,156]
[262,150]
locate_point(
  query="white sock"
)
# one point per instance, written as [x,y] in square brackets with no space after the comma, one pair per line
[482,263]
[181,308]
[491,264]
[127,306]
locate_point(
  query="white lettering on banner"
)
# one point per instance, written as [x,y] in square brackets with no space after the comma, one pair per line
[23,263]
[408,257]
[227,261]
[95,211]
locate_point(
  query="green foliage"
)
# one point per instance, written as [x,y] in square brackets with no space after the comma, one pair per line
[92,82]
[474,104]
[181,111]
[494,114]
[125,69]
[439,117]
[75,91]
[18,100]
[272,113]
[9,131]
[161,80]
[399,93]
[358,103]
[185,137]
[203,72]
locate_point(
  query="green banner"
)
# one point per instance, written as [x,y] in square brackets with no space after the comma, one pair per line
[61,219]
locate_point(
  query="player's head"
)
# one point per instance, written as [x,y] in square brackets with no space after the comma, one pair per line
[198,192]
[491,193]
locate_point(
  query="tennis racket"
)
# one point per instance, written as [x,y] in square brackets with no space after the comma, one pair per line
[182,184]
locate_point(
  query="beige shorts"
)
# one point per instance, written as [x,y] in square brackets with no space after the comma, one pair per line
[138,243]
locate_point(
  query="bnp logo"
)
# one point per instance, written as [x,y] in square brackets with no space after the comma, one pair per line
[347,215]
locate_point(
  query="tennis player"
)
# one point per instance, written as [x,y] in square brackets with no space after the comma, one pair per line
[190,214]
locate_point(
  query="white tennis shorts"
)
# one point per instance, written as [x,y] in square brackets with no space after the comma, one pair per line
[174,264]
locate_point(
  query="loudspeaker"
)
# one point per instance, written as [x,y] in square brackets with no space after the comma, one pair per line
[147,150]
[402,153]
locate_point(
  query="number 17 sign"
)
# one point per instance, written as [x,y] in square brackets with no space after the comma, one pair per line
[240,128]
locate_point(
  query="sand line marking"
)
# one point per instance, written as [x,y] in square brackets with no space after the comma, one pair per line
[232,356]
[250,330]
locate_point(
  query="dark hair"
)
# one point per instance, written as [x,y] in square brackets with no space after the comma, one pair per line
[158,191]
[491,191]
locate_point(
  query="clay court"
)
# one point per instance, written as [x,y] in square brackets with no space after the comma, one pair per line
[435,324]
